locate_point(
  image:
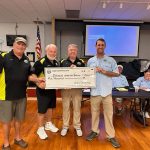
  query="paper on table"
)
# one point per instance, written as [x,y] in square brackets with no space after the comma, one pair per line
[122,89]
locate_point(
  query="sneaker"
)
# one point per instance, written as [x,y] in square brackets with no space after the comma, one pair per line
[120,111]
[147,115]
[51,127]
[21,143]
[79,131]
[114,142]
[41,133]
[64,131]
[91,136]
[6,148]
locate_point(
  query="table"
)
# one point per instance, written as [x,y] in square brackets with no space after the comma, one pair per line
[131,95]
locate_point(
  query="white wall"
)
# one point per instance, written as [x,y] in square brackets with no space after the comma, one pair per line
[30,30]
[47,34]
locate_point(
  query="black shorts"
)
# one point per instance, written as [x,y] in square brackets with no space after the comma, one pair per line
[46,99]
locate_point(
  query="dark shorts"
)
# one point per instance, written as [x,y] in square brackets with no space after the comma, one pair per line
[10,110]
[46,99]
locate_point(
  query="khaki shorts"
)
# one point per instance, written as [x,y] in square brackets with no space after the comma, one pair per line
[10,110]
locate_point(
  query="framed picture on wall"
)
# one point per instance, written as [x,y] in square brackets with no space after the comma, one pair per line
[31,56]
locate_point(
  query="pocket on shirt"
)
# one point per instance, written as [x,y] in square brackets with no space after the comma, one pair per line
[107,67]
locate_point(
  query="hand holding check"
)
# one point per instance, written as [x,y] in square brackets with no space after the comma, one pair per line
[41,82]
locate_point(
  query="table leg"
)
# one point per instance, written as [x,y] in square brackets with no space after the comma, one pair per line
[142,108]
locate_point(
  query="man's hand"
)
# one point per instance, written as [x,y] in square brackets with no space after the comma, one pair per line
[40,79]
[143,88]
[107,73]
[41,82]
[100,70]
[73,65]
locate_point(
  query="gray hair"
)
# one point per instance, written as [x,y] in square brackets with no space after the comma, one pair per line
[73,45]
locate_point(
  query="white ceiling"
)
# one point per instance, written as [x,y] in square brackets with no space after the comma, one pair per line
[28,10]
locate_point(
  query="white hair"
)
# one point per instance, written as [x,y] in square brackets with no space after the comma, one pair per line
[50,46]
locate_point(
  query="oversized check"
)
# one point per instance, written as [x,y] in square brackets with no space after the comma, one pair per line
[66,77]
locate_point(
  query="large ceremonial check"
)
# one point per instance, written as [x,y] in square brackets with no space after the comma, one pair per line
[66,77]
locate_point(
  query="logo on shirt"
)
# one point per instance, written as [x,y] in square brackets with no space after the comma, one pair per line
[79,63]
[56,64]
[26,61]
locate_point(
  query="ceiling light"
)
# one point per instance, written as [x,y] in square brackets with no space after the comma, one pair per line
[148,7]
[104,5]
[121,5]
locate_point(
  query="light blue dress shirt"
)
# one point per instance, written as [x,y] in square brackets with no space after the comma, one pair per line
[141,82]
[120,81]
[103,82]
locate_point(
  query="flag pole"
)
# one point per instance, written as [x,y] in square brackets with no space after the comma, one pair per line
[37,22]
[38,42]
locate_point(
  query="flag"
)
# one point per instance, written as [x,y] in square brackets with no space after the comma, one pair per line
[38,44]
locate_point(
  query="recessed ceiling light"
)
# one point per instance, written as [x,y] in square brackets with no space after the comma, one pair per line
[121,5]
[148,7]
[104,5]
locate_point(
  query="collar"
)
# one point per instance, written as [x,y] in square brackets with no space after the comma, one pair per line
[68,59]
[96,58]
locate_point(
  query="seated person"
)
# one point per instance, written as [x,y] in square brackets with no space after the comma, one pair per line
[143,83]
[119,81]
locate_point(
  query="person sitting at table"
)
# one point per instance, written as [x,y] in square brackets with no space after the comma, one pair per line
[117,82]
[143,83]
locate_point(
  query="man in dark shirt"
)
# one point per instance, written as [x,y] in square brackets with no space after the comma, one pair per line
[74,95]
[15,70]
[46,98]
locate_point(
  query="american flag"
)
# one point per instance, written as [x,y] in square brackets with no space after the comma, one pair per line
[38,44]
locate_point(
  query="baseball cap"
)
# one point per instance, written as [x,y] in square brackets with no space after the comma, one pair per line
[21,39]
[120,66]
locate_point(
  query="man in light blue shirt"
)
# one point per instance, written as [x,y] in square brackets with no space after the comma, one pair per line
[106,68]
[120,81]
[143,83]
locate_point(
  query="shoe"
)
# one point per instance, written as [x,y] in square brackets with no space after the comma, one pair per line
[64,131]
[147,115]
[51,127]
[114,142]
[120,111]
[91,136]
[41,133]
[79,131]
[21,143]
[6,148]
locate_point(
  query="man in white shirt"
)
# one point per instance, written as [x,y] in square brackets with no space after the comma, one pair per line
[117,82]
